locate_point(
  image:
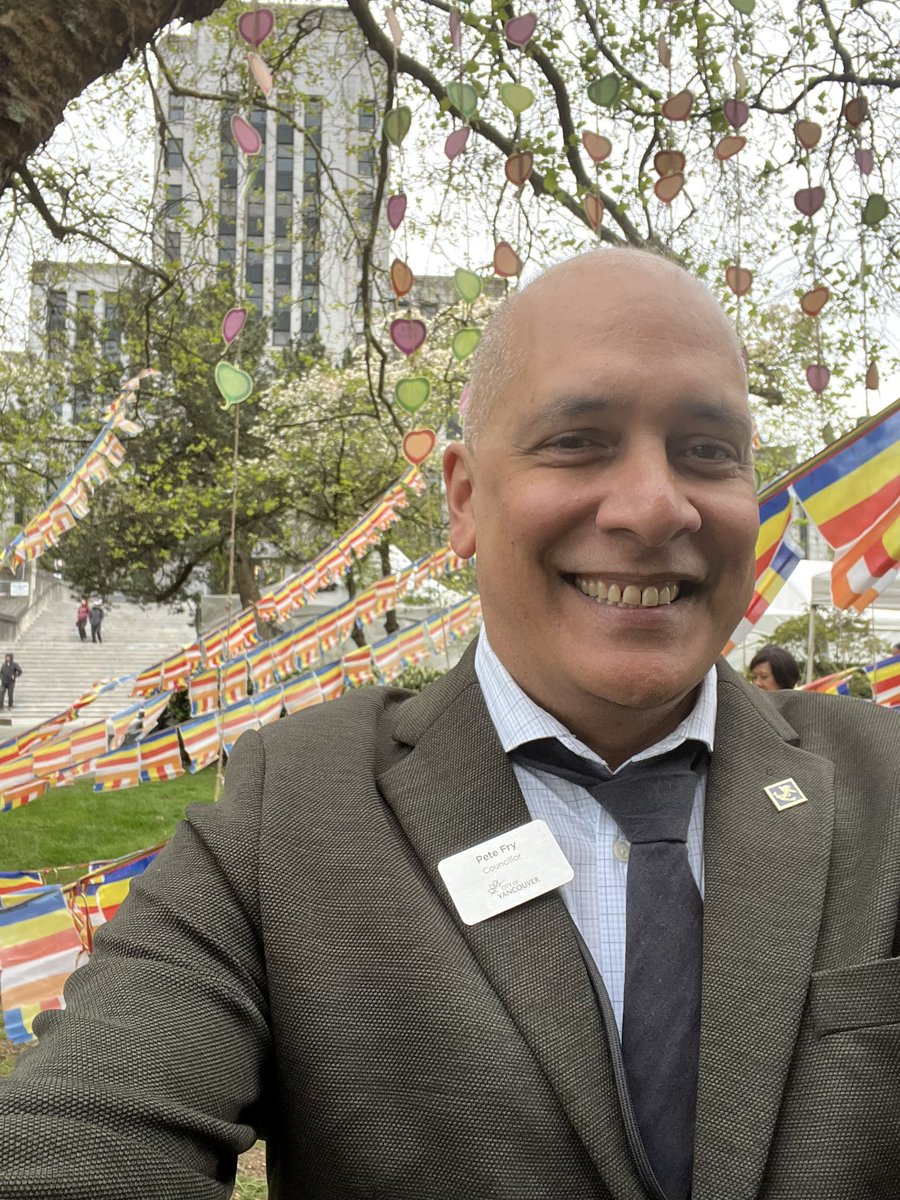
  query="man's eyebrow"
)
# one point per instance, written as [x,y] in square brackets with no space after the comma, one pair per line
[571,408]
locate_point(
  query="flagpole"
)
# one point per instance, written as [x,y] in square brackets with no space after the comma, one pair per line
[810,642]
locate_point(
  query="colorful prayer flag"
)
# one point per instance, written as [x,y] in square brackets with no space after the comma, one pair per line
[118,769]
[884,676]
[204,691]
[202,740]
[865,570]
[235,721]
[268,705]
[767,588]
[161,757]
[233,680]
[301,693]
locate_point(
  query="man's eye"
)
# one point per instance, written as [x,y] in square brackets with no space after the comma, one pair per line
[712,452]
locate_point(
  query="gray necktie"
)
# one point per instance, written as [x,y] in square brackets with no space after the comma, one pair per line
[651,803]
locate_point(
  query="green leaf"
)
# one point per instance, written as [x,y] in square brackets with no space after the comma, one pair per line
[875,210]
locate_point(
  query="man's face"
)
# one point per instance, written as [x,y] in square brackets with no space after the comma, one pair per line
[611,497]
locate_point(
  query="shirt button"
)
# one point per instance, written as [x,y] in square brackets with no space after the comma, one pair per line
[621,850]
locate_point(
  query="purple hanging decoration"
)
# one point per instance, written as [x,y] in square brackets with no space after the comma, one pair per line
[818,377]
[456,142]
[736,113]
[245,135]
[407,335]
[396,210]
[455,30]
[232,324]
[865,160]
[520,30]
[254,27]
[809,200]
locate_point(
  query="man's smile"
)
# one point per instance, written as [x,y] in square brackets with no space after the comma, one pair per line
[627,595]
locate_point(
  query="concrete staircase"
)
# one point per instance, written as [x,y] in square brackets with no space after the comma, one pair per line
[58,668]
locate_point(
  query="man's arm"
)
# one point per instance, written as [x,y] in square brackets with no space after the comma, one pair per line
[149,1083]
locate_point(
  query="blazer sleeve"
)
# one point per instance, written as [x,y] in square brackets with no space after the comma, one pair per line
[127,1093]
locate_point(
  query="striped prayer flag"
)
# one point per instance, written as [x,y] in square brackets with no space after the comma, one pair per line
[306,645]
[204,691]
[95,470]
[19,881]
[176,672]
[242,633]
[119,724]
[118,769]
[265,607]
[15,772]
[268,705]
[52,757]
[147,681]
[89,742]
[767,588]
[829,685]
[112,449]
[152,710]
[237,720]
[161,757]
[39,949]
[202,740]
[262,667]
[213,648]
[362,609]
[386,658]
[358,666]
[853,482]
[331,680]
[283,655]
[774,518]
[415,481]
[884,676]
[865,570]
[438,631]
[302,693]
[463,616]
[11,798]
[328,632]
[233,681]
[74,495]
[385,594]
[411,645]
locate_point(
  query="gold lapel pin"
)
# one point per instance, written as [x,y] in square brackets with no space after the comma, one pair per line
[785,794]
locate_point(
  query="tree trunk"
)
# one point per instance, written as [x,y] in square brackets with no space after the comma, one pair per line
[50,50]
[384,553]
[357,634]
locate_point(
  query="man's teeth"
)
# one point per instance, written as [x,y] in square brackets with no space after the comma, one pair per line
[629,596]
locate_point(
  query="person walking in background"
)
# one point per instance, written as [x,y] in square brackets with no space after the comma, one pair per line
[81,618]
[9,673]
[774,669]
[96,619]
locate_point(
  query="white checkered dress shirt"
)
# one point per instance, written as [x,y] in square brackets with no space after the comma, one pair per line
[587,834]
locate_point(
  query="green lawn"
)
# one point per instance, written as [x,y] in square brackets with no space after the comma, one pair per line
[70,826]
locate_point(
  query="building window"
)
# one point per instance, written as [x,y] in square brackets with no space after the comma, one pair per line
[366,160]
[312,170]
[84,312]
[112,341]
[175,109]
[56,323]
[366,116]
[172,245]
[174,154]
[173,199]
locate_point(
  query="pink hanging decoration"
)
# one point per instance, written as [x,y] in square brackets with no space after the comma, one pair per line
[455,30]
[232,324]
[809,200]
[245,135]
[464,396]
[818,377]
[254,27]
[407,335]
[736,113]
[865,160]
[396,210]
[394,27]
[456,142]
[520,30]
[418,444]
[260,73]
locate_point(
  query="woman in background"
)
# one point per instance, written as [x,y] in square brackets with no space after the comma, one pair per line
[774,669]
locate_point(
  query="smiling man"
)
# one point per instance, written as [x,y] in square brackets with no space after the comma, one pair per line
[590,917]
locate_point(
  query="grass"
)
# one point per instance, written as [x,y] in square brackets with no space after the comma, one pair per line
[69,826]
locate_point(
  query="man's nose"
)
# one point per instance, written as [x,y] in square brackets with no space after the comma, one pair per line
[645,496]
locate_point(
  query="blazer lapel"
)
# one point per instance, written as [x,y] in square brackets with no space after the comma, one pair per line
[765,876]
[455,788]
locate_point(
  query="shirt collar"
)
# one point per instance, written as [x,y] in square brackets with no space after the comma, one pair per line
[518,719]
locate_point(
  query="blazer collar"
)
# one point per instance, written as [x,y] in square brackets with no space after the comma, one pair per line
[765,877]
[456,788]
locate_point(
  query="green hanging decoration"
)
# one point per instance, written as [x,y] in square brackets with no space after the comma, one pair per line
[463,97]
[465,342]
[412,393]
[517,97]
[875,210]
[605,90]
[467,284]
[397,123]
[234,384]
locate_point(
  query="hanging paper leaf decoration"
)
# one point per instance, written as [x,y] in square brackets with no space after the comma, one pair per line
[818,377]
[678,107]
[254,27]
[397,123]
[813,301]
[855,111]
[396,210]
[668,162]
[463,97]
[520,30]
[865,160]
[456,142]
[260,73]
[407,335]
[744,7]
[731,144]
[668,187]
[737,113]
[809,200]
[232,324]
[394,27]
[467,284]
[465,342]
[517,97]
[518,167]
[506,261]
[418,445]
[739,279]
[663,51]
[599,148]
[455,30]
[740,78]
[875,210]
[872,380]
[594,210]
[234,384]
[412,393]
[605,90]
[808,133]
[402,278]
[245,135]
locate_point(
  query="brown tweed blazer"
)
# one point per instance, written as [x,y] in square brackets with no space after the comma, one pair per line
[292,965]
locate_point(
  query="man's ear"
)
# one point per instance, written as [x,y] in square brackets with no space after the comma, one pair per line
[459,484]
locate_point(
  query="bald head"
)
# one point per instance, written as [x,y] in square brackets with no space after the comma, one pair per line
[503,352]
